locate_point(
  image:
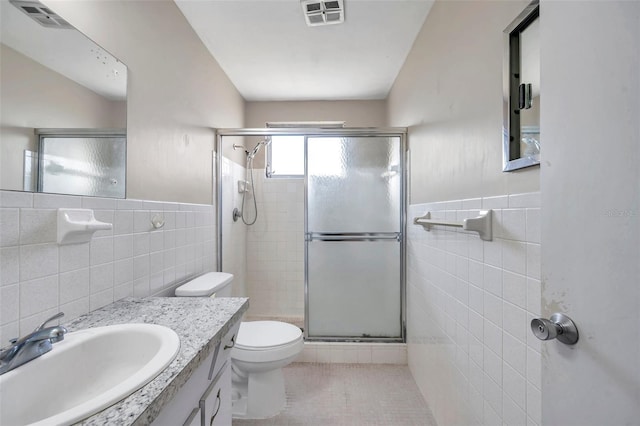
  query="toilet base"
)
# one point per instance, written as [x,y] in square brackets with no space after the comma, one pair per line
[257,395]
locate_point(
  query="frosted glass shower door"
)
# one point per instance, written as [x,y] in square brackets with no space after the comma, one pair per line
[353,238]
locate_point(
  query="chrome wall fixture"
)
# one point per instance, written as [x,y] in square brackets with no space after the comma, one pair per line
[558,326]
[480,224]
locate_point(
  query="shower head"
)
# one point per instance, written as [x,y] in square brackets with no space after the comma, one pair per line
[259,145]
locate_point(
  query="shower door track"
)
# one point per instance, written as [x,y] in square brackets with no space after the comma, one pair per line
[400,132]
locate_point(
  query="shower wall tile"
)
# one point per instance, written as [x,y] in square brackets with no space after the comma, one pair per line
[275,249]
[469,305]
[39,278]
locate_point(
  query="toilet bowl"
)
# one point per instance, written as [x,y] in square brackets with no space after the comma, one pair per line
[261,350]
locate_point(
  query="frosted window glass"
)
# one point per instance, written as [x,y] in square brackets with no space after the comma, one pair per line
[354,289]
[354,184]
[93,166]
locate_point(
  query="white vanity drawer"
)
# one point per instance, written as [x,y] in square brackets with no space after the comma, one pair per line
[194,419]
[215,404]
[182,405]
[224,350]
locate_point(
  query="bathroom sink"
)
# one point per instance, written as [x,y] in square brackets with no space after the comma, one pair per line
[88,371]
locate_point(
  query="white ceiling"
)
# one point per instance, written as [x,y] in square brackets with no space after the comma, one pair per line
[65,51]
[269,52]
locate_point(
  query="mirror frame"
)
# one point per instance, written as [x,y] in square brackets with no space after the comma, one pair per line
[511,156]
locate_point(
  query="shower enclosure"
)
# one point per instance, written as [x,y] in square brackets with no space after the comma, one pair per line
[354,225]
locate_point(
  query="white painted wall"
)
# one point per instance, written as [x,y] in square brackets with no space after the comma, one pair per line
[34,96]
[590,185]
[449,94]
[354,113]
[177,94]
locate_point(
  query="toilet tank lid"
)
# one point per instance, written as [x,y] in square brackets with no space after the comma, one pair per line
[205,285]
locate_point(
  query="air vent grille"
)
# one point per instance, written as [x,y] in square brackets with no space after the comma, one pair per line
[318,12]
[41,14]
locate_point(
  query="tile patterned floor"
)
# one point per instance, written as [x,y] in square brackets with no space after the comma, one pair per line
[349,395]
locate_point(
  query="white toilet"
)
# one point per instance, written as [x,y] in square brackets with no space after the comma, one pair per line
[261,349]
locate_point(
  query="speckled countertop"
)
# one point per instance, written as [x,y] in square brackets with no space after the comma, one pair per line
[199,322]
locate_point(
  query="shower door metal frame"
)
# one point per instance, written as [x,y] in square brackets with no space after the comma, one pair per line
[400,132]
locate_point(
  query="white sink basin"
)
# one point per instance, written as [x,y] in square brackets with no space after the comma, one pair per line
[86,372]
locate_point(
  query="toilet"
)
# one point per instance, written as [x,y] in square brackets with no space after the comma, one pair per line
[261,350]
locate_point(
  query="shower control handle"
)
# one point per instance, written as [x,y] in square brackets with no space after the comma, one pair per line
[558,326]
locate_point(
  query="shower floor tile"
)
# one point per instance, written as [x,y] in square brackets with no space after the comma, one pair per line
[349,395]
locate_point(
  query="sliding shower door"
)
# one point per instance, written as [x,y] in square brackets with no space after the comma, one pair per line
[353,233]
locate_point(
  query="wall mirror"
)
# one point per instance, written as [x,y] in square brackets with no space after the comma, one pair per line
[64,107]
[521,91]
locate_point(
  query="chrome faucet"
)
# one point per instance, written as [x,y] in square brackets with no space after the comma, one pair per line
[40,341]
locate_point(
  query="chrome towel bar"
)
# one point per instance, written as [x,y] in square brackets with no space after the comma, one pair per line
[482,224]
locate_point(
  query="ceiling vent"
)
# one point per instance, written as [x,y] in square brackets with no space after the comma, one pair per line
[323,12]
[41,14]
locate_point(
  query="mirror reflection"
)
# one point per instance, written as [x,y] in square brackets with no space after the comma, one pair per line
[521,131]
[58,83]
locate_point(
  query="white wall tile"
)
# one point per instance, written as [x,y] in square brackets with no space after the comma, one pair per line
[74,308]
[38,226]
[485,375]
[38,260]
[16,199]
[9,265]
[514,224]
[514,256]
[515,387]
[9,302]
[514,288]
[123,272]
[101,277]
[38,295]
[533,261]
[77,278]
[533,226]
[9,227]
[529,199]
[103,298]
[142,221]
[74,256]
[123,247]
[141,244]
[129,204]
[101,251]
[97,203]
[512,414]
[156,241]
[74,285]
[123,222]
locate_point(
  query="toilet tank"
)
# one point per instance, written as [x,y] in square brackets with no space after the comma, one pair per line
[218,283]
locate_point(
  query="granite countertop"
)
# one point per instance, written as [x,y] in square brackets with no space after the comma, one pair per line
[200,322]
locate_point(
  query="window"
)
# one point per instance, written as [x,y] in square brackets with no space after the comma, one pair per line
[285,154]
[285,157]
[82,162]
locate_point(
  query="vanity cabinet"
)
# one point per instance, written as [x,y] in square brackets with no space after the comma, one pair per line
[205,400]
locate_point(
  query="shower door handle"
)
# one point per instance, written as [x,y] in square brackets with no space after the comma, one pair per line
[316,236]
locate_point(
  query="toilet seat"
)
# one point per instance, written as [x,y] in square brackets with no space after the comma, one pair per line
[265,335]
[267,341]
